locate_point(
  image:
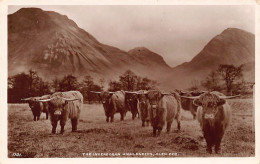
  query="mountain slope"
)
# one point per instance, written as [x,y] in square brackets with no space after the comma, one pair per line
[232,46]
[54,45]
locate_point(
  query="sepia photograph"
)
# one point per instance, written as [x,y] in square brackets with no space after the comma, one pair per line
[130,81]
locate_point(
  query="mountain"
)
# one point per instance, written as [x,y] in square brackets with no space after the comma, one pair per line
[54,46]
[232,46]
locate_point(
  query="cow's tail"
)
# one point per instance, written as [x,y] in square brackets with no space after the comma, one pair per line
[178,99]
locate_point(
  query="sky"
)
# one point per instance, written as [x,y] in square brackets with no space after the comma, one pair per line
[176,32]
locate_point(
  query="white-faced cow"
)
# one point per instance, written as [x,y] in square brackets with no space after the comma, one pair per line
[213,114]
[113,102]
[38,107]
[164,108]
[64,105]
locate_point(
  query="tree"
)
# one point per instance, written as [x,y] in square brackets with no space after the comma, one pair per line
[26,85]
[194,85]
[55,85]
[145,84]
[114,86]
[102,82]
[68,83]
[229,74]
[86,86]
[212,82]
[128,80]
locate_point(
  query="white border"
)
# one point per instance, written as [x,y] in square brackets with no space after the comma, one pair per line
[3,81]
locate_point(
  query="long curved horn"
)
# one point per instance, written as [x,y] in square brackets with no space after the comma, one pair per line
[44,100]
[95,92]
[130,92]
[25,99]
[111,92]
[74,99]
[191,97]
[228,97]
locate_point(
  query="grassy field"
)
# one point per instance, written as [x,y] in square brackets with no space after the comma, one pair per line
[28,138]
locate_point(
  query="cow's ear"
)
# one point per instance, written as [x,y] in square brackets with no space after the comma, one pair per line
[197,102]
[221,102]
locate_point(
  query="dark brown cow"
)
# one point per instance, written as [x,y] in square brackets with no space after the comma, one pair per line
[187,104]
[164,108]
[213,114]
[131,103]
[64,105]
[144,108]
[113,102]
[37,107]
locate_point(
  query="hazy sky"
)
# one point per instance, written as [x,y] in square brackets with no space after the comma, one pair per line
[178,33]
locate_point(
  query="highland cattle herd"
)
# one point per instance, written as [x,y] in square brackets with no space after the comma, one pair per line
[153,107]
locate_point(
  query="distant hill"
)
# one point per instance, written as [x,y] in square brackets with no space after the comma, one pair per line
[54,46]
[232,46]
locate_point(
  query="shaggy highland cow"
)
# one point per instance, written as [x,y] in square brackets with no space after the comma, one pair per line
[64,105]
[214,115]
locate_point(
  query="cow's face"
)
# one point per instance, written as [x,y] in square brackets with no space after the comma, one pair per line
[130,99]
[154,97]
[105,97]
[142,99]
[57,105]
[211,104]
[32,103]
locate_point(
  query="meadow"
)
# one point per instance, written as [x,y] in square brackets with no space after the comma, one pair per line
[97,138]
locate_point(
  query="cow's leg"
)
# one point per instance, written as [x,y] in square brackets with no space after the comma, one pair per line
[112,118]
[62,124]
[122,116]
[209,142]
[54,125]
[179,125]
[107,119]
[74,123]
[159,130]
[143,123]
[47,114]
[133,116]
[154,131]
[169,124]
[147,123]
[217,139]
[34,117]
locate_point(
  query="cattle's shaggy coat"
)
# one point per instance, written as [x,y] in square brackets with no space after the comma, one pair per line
[113,103]
[164,108]
[214,115]
[144,109]
[131,103]
[61,109]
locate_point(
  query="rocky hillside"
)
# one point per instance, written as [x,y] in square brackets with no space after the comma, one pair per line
[54,45]
[232,46]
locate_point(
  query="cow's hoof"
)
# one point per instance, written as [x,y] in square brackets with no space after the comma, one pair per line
[53,132]
[217,151]
[209,150]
